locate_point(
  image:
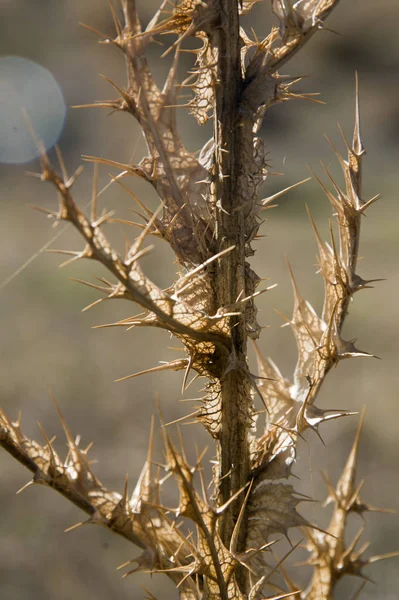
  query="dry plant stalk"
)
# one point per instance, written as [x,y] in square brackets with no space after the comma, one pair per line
[210,213]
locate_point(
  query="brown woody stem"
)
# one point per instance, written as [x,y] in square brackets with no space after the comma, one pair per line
[230,272]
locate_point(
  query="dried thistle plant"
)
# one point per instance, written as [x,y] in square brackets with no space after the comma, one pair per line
[210,213]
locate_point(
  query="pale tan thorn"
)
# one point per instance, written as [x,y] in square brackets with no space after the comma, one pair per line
[378,557]
[66,252]
[280,562]
[351,547]
[177,105]
[336,187]
[175,217]
[338,261]
[70,260]
[99,288]
[149,462]
[120,323]
[348,148]
[357,144]
[106,38]
[369,203]
[136,212]
[297,294]
[289,582]
[140,254]
[344,164]
[181,419]
[133,195]
[88,448]
[155,18]
[315,230]
[182,448]
[24,487]
[359,591]
[170,82]
[98,104]
[150,595]
[155,232]
[188,51]
[292,432]
[190,274]
[370,508]
[133,324]
[38,143]
[187,575]
[103,218]
[284,317]
[186,374]
[35,175]
[175,365]
[298,299]
[199,470]
[301,422]
[48,443]
[329,195]
[125,496]
[118,26]
[74,176]
[105,281]
[146,231]
[124,95]
[61,162]
[125,564]
[309,97]
[76,526]
[179,40]
[237,526]
[220,509]
[281,596]
[346,481]
[256,294]
[68,435]
[94,194]
[126,169]
[93,304]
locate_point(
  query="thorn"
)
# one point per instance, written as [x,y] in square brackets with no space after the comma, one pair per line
[24,487]
[94,192]
[68,435]
[378,557]
[68,529]
[357,144]
[175,365]
[237,526]
[266,201]
[117,24]
[106,38]
[193,414]
[61,163]
[364,207]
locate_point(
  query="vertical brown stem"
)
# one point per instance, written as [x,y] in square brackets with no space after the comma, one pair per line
[230,271]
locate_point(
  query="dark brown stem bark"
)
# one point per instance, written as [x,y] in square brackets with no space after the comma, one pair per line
[230,271]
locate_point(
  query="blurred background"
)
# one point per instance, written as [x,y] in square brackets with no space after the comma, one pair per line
[48,343]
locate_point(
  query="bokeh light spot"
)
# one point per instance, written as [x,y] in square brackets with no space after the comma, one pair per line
[28,92]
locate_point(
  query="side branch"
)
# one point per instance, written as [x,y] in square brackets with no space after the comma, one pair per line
[133,285]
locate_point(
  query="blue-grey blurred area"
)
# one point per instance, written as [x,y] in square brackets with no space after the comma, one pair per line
[31,104]
[48,343]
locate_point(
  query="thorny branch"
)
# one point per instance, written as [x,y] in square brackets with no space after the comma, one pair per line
[210,215]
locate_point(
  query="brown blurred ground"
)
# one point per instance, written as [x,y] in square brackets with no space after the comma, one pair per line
[46,342]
